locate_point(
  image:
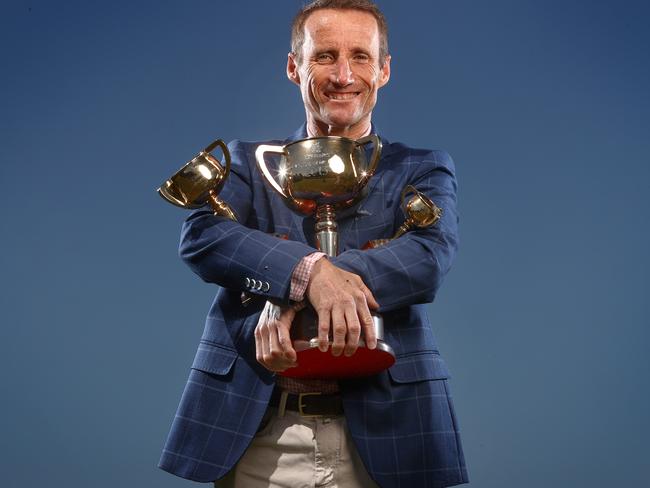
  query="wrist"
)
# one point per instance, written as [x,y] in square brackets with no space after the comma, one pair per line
[301,276]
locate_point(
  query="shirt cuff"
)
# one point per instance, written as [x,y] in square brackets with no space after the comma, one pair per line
[301,274]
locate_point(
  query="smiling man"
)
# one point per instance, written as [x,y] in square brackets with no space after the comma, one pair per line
[239,423]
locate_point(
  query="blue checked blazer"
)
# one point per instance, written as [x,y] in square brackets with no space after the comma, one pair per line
[402,420]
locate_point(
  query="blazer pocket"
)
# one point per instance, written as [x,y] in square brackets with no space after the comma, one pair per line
[421,366]
[214,359]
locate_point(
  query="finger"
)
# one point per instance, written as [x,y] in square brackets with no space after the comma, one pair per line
[278,361]
[366,322]
[339,329]
[353,332]
[266,348]
[323,329]
[370,334]
[258,345]
[284,338]
[370,298]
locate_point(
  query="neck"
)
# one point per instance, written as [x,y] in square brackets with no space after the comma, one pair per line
[315,129]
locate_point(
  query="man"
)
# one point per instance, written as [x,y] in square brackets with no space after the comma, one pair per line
[240,420]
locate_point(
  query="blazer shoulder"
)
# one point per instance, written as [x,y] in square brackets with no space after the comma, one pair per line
[424,159]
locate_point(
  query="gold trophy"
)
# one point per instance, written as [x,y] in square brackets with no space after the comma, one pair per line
[420,213]
[318,176]
[199,182]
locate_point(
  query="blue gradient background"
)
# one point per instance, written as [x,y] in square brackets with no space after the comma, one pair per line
[543,320]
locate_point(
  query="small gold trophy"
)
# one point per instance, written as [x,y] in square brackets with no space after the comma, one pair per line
[199,182]
[420,213]
[318,176]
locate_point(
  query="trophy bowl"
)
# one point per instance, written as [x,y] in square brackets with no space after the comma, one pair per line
[199,182]
[319,171]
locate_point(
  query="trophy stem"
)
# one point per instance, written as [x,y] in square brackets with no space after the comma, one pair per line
[220,207]
[327,230]
[404,228]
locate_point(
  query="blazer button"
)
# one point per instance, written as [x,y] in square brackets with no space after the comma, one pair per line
[247,282]
[258,285]
[266,286]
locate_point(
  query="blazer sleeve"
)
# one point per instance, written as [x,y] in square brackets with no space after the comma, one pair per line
[410,269]
[233,255]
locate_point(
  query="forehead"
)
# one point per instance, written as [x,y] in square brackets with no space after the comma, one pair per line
[352,28]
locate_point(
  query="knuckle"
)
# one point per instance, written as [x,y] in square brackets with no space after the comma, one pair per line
[324,305]
[339,330]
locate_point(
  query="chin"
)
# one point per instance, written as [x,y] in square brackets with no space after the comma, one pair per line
[341,120]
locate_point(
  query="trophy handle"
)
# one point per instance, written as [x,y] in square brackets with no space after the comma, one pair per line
[259,156]
[376,153]
[226,155]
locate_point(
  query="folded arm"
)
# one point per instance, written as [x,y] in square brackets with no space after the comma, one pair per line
[411,268]
[235,256]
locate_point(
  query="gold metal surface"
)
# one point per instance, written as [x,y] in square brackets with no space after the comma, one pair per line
[319,171]
[420,210]
[199,182]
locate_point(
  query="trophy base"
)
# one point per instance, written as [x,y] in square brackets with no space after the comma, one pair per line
[315,364]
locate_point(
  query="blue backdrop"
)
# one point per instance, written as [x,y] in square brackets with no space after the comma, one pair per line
[544,318]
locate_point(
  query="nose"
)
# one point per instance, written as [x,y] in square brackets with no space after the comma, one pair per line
[342,73]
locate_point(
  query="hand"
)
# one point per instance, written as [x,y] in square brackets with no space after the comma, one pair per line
[343,301]
[273,348]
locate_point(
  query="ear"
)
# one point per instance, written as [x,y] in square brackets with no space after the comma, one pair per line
[292,69]
[384,74]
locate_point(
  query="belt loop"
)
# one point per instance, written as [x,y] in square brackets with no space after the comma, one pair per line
[282,406]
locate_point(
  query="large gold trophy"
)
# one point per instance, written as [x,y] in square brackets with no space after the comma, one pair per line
[318,176]
[199,182]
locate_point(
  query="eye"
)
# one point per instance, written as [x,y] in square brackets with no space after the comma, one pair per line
[361,57]
[324,58]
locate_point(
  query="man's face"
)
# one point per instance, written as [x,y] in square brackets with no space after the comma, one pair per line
[339,72]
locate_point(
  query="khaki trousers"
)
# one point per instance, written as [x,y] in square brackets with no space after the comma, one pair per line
[292,451]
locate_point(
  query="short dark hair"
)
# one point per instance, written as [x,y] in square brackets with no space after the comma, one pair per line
[298,25]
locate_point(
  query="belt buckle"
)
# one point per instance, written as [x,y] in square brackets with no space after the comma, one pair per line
[301,405]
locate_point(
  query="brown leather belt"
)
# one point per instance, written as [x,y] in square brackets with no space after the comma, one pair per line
[309,404]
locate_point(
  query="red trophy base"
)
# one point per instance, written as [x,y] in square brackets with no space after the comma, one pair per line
[315,364]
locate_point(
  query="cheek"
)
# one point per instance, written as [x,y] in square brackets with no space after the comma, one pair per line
[311,84]
[370,76]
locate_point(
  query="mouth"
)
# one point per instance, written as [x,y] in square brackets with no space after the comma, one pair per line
[341,95]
